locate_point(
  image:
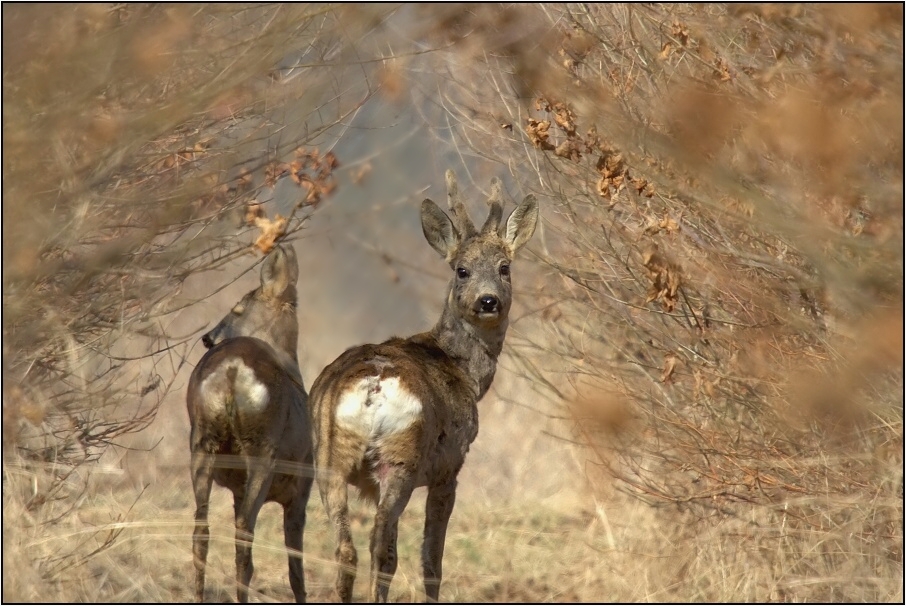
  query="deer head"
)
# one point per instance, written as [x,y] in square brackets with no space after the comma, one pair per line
[480,292]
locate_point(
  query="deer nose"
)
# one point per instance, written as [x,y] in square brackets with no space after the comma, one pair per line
[207,340]
[489,303]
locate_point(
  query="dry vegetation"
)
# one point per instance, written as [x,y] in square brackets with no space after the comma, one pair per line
[725,247]
[714,334]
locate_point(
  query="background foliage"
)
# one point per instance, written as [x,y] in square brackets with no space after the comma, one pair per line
[701,397]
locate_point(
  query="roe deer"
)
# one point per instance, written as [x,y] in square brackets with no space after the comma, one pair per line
[391,417]
[250,426]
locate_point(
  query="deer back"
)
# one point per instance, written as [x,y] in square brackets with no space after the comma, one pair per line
[246,396]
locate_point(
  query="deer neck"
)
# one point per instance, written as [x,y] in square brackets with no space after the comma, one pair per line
[473,348]
[290,363]
[284,333]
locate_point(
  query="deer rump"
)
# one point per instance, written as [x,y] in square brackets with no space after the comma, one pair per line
[398,404]
[242,410]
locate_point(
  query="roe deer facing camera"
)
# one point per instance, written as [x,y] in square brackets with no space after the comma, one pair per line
[391,417]
[250,426]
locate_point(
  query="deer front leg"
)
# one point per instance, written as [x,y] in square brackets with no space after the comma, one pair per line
[202,476]
[438,508]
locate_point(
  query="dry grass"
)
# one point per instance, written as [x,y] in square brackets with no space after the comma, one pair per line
[523,551]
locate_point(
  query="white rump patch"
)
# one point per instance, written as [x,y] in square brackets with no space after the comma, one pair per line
[376,408]
[250,393]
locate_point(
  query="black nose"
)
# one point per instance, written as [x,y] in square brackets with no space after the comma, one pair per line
[207,340]
[489,303]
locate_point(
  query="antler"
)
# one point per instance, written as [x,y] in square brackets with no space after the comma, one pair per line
[460,217]
[492,223]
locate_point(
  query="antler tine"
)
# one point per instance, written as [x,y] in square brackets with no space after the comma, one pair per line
[495,202]
[460,216]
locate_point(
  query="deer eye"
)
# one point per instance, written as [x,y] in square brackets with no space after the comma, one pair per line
[505,270]
[462,273]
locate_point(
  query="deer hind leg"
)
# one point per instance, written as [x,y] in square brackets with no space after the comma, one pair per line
[335,497]
[293,528]
[438,508]
[247,505]
[396,489]
[202,477]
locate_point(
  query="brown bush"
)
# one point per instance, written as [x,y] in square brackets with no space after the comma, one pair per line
[736,305]
[127,171]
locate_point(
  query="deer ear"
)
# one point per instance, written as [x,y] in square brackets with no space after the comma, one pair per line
[280,270]
[521,224]
[439,230]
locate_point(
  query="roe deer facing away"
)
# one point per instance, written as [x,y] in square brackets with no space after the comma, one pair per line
[250,425]
[391,417]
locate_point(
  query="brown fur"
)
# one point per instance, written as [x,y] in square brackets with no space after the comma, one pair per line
[447,370]
[250,424]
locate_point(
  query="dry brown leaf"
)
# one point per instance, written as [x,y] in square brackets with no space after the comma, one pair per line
[571,65]
[652,225]
[166,162]
[643,187]
[295,170]
[302,154]
[564,118]
[665,278]
[569,150]
[666,51]
[313,195]
[592,141]
[327,187]
[254,210]
[603,187]
[538,132]
[542,104]
[668,224]
[670,362]
[722,70]
[610,164]
[274,171]
[330,161]
[680,32]
[270,232]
